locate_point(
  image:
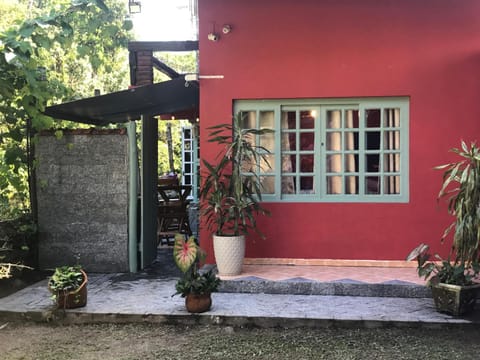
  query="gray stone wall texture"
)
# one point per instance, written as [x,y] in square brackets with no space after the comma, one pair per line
[82,186]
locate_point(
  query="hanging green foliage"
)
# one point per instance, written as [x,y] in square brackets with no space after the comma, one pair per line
[51,51]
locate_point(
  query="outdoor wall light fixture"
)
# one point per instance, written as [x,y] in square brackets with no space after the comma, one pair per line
[213,37]
[134,7]
[226,29]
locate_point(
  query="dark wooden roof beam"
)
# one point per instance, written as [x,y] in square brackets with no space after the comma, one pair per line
[167,70]
[189,45]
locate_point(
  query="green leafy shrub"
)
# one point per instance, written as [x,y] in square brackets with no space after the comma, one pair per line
[64,279]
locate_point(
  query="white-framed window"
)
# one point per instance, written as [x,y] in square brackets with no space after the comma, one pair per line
[332,150]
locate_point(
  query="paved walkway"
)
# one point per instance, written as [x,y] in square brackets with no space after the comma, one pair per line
[133,298]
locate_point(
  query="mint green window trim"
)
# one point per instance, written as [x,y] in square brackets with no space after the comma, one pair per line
[360,149]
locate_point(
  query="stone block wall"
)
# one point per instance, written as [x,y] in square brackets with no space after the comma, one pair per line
[82,186]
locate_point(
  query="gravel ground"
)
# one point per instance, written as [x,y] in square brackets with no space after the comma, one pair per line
[153,341]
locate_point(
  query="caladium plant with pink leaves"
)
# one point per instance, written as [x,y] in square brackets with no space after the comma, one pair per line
[185,252]
[187,255]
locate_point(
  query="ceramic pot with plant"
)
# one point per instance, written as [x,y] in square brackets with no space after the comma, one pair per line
[195,286]
[68,286]
[454,281]
[231,191]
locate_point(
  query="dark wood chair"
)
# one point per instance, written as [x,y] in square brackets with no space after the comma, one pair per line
[172,212]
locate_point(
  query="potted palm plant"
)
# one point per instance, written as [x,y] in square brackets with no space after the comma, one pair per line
[231,191]
[68,286]
[453,280]
[194,286]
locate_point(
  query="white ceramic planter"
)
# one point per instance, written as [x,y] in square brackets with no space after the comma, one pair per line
[229,254]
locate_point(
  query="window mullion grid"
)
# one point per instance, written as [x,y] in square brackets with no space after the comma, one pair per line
[318,153]
[381,154]
[361,150]
[343,146]
[278,152]
[257,139]
[297,152]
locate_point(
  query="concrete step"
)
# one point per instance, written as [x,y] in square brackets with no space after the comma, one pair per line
[344,287]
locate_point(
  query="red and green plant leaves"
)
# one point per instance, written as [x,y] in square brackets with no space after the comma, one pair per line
[184,252]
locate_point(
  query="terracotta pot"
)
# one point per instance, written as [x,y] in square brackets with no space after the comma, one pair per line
[198,303]
[73,299]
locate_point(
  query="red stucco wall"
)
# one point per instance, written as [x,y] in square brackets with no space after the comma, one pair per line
[428,50]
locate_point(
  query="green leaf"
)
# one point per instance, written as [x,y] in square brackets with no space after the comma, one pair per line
[26,31]
[13,155]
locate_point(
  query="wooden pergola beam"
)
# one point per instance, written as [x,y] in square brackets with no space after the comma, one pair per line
[189,45]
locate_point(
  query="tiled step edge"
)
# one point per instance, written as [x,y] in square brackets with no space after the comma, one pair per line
[338,288]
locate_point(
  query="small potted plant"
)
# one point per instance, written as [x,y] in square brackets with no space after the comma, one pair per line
[231,191]
[195,286]
[453,280]
[68,286]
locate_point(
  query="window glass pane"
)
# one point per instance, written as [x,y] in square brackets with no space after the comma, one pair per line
[391,140]
[187,156]
[334,141]
[188,179]
[248,166]
[372,162]
[288,163]
[334,118]
[392,184]
[249,119]
[267,184]
[334,184]
[288,185]
[188,167]
[391,117]
[266,120]
[289,120]
[306,163]
[288,141]
[306,184]
[292,141]
[372,140]
[372,118]
[351,140]
[264,166]
[307,119]
[307,141]
[351,185]
[351,119]
[268,141]
[372,185]
[351,162]
[334,163]
[391,162]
